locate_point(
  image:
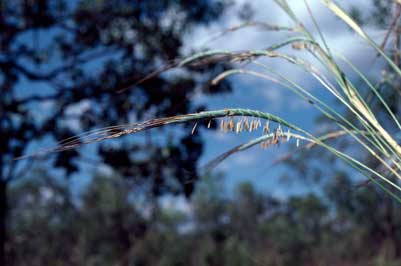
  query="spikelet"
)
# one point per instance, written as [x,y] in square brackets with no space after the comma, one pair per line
[208,124]
[275,137]
[193,129]
[251,126]
[246,124]
[288,135]
[231,124]
[226,125]
[297,143]
[279,130]
[241,124]
[283,136]
[266,128]
[265,144]
[238,127]
[254,125]
[299,45]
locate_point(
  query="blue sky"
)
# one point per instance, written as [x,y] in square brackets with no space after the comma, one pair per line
[254,165]
[249,92]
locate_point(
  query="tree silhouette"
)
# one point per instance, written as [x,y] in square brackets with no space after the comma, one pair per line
[75,65]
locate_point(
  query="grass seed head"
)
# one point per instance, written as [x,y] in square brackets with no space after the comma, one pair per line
[246,123]
[275,137]
[266,128]
[238,127]
[231,124]
[193,129]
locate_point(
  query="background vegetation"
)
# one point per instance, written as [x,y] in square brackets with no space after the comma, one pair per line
[71,66]
[108,225]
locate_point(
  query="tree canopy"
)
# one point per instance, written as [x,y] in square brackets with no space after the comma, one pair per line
[68,66]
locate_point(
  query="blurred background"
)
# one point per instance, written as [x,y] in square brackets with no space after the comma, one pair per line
[69,66]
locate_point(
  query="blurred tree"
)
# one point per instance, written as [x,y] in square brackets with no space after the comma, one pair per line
[105,226]
[210,219]
[67,66]
[58,57]
[245,212]
[354,206]
[44,226]
[110,223]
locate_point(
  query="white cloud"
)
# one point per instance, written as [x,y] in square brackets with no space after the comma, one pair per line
[244,159]
[176,203]
[76,110]
[222,136]
[340,38]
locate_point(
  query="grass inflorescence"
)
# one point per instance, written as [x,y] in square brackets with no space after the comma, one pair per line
[368,132]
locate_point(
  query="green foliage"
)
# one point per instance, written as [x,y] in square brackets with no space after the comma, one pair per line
[106,227]
[71,65]
[360,122]
[344,225]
